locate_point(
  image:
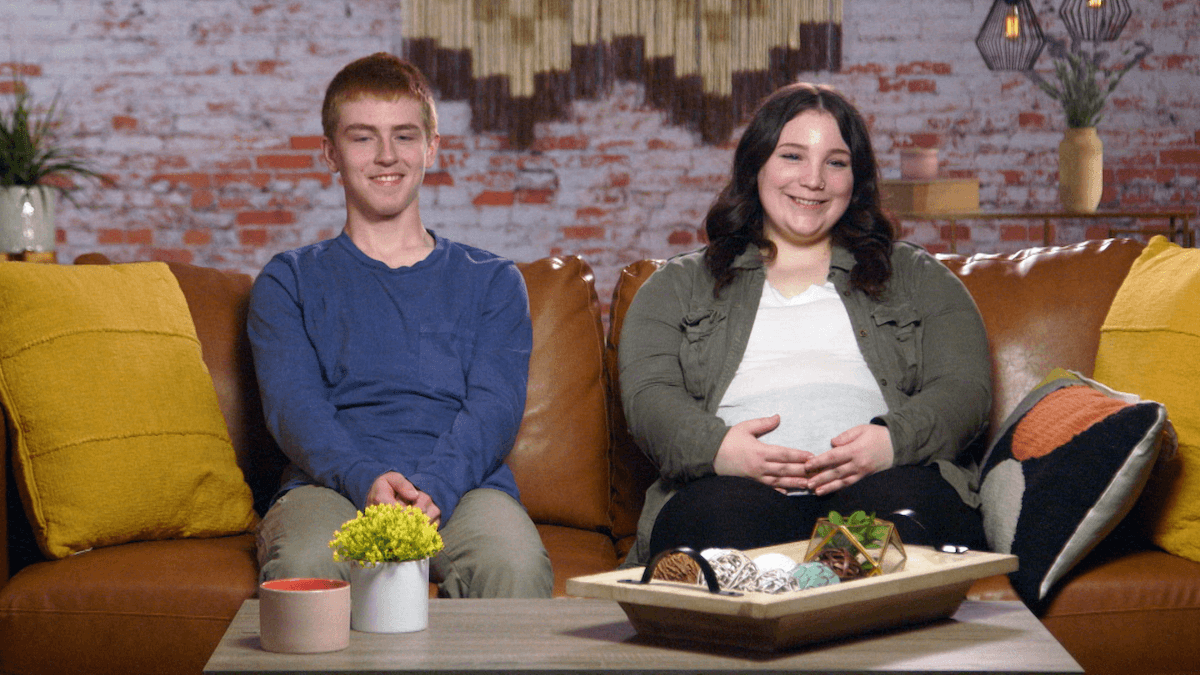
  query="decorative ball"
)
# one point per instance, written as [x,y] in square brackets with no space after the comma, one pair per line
[841,561]
[814,575]
[735,571]
[775,581]
[711,554]
[678,567]
[774,561]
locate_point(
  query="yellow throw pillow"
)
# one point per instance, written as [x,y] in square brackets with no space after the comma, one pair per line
[112,414]
[1150,345]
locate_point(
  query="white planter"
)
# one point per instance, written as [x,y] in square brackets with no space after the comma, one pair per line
[390,597]
[26,219]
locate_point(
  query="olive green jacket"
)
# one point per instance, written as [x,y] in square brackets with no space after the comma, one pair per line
[923,340]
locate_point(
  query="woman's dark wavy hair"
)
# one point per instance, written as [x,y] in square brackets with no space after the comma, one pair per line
[735,220]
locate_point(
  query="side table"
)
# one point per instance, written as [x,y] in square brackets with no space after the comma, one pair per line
[32,256]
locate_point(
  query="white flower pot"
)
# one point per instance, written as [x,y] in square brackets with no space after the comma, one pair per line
[26,219]
[390,597]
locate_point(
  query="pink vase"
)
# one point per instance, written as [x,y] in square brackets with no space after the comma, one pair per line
[918,163]
[304,616]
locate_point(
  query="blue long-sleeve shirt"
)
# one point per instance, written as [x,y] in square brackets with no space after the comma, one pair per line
[365,369]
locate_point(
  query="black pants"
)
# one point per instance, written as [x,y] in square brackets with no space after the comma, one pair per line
[741,513]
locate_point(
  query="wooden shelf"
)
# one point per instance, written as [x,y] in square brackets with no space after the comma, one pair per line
[1178,228]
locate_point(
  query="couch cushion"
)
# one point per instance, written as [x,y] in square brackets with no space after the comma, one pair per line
[146,607]
[1149,345]
[219,301]
[575,552]
[117,434]
[1068,466]
[1043,308]
[560,458]
[1130,612]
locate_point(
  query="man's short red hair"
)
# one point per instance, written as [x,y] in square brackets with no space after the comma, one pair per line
[382,76]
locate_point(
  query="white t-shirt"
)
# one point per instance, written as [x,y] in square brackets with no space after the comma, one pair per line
[802,363]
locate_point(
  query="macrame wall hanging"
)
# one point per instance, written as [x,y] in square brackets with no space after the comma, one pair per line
[705,63]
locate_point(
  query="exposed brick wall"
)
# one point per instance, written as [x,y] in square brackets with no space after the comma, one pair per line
[205,112]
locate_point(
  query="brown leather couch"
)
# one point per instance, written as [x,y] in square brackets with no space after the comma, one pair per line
[161,607]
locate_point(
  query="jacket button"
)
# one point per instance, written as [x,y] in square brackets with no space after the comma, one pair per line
[862,333]
[883,382]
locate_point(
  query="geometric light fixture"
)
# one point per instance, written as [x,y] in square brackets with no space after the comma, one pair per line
[1095,20]
[1011,38]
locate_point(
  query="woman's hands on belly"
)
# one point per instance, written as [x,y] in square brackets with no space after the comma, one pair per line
[743,454]
[857,452]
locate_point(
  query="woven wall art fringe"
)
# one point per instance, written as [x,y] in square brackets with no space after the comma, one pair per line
[705,63]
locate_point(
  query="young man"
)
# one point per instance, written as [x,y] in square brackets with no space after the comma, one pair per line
[392,362]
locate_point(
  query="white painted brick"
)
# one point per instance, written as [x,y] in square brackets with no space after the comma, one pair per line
[157,72]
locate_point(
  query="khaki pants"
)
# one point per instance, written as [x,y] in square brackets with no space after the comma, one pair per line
[492,547]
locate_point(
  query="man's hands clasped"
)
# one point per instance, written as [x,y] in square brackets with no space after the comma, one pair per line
[393,488]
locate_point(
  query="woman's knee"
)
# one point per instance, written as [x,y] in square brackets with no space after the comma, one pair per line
[726,511]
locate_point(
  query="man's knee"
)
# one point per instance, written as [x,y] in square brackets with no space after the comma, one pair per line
[505,573]
[493,550]
[293,538]
[524,574]
[305,564]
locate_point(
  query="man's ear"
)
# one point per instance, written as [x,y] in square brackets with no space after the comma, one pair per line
[329,154]
[431,151]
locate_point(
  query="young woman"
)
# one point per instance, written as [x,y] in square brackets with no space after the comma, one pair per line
[804,361]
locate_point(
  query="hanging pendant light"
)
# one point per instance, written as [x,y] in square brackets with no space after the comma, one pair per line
[1011,38]
[1095,20]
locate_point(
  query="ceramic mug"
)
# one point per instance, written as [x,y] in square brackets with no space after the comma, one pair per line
[304,616]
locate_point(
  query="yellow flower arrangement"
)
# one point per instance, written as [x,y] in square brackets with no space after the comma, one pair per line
[386,533]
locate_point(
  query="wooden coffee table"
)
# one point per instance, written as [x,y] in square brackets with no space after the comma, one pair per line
[594,636]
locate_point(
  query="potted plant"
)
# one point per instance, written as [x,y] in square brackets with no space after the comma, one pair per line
[32,168]
[857,546]
[1082,86]
[390,546]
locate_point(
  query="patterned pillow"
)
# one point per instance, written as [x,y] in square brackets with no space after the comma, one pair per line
[1069,464]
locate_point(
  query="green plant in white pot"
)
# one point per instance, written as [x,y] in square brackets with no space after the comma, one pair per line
[33,167]
[390,546]
[1082,85]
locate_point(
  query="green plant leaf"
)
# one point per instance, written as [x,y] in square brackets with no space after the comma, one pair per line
[1083,84]
[28,153]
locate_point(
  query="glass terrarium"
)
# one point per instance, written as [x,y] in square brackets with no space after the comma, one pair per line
[856,547]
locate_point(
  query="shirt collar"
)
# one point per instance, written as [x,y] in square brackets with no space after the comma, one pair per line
[751,258]
[842,259]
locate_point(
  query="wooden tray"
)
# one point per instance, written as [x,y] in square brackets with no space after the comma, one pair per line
[931,586]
